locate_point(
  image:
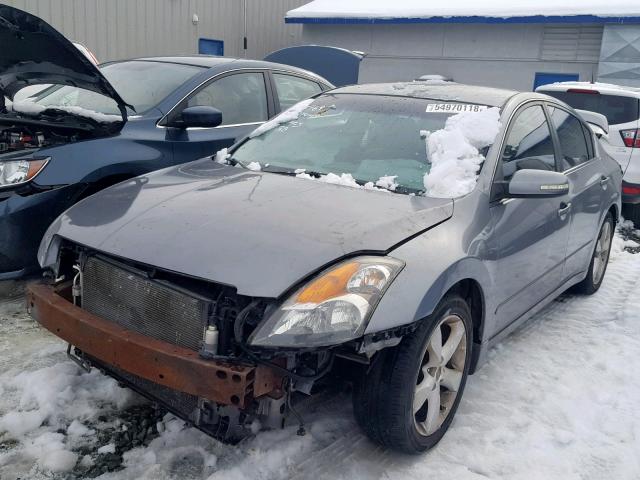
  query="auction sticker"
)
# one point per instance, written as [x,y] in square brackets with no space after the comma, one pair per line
[454,108]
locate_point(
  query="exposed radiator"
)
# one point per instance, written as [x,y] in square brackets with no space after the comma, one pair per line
[152,308]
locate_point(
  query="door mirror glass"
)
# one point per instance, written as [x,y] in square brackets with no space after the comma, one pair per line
[537,183]
[200,116]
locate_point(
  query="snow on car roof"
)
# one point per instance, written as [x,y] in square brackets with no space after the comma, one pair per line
[324,11]
[602,87]
[435,90]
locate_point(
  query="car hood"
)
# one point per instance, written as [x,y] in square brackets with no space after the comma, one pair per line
[35,53]
[260,232]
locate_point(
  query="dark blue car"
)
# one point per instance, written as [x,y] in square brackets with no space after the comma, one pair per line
[88,128]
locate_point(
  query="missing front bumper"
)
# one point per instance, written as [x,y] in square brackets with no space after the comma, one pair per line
[164,364]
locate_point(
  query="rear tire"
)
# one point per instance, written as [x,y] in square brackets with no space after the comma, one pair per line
[631,211]
[392,403]
[599,259]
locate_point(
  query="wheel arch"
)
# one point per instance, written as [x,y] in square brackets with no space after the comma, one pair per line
[471,291]
[615,213]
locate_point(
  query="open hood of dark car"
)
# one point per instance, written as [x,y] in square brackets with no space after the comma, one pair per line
[260,232]
[35,53]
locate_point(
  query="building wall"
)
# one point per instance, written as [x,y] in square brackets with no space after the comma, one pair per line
[620,55]
[503,55]
[117,29]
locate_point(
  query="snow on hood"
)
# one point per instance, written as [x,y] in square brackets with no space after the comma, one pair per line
[32,108]
[454,152]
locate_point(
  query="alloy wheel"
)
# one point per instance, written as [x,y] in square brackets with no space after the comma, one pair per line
[440,375]
[601,253]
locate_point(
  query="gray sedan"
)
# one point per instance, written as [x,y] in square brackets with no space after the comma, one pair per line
[383,235]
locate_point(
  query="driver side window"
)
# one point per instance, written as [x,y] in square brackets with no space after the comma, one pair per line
[529,144]
[241,97]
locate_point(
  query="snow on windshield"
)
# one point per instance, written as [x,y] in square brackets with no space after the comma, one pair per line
[288,115]
[31,108]
[383,184]
[454,152]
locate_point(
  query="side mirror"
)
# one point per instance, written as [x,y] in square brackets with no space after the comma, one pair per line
[199,116]
[537,183]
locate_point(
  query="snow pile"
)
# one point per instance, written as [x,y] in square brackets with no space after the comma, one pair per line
[52,400]
[454,152]
[289,115]
[254,167]
[387,182]
[372,9]
[221,156]
[32,108]
[383,184]
[184,452]
[50,452]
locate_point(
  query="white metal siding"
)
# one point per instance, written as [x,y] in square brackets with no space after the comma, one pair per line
[571,43]
[117,29]
[500,55]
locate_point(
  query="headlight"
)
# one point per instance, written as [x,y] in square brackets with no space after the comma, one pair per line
[332,308]
[15,172]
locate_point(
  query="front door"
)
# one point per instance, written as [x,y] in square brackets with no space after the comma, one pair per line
[528,235]
[242,99]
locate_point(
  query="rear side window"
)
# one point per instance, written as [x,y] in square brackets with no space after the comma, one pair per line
[616,108]
[529,144]
[573,144]
[292,89]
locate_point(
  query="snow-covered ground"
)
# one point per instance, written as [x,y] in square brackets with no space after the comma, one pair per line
[557,400]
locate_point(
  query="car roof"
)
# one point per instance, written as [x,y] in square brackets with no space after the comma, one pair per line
[210,61]
[607,88]
[434,90]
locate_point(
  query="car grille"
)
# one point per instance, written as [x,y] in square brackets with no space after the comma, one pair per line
[153,308]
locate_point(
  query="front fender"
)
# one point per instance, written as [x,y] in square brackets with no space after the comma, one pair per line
[434,264]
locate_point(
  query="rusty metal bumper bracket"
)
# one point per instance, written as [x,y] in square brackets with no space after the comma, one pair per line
[172,366]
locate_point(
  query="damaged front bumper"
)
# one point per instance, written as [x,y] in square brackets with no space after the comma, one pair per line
[127,354]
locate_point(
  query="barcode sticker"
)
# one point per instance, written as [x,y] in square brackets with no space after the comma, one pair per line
[454,108]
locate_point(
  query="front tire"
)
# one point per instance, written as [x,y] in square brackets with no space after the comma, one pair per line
[599,259]
[409,398]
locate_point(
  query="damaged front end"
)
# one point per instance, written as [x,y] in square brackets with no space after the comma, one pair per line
[179,341]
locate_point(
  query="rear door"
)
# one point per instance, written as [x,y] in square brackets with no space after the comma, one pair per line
[528,235]
[245,101]
[587,180]
[622,112]
[291,89]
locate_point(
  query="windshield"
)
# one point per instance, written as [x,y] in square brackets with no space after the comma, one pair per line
[141,84]
[376,140]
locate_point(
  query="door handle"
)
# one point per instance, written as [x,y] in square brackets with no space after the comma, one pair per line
[564,209]
[603,181]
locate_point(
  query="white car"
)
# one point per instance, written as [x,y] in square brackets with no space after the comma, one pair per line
[621,106]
